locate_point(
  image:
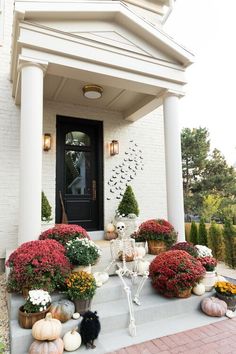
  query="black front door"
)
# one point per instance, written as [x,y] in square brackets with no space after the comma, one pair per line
[79,172]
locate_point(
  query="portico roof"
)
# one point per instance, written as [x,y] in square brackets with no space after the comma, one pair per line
[101,42]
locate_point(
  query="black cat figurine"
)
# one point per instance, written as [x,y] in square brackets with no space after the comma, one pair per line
[89,328]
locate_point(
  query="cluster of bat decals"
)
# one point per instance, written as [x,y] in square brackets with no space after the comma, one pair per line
[124,173]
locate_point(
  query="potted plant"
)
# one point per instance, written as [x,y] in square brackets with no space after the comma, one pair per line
[38,265]
[81,287]
[209,263]
[46,212]
[187,247]
[159,234]
[64,233]
[34,309]
[226,291]
[174,273]
[82,252]
[128,211]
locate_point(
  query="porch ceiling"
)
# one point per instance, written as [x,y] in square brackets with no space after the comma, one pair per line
[68,90]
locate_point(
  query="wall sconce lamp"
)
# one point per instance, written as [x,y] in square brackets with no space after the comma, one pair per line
[114,147]
[93,92]
[47,142]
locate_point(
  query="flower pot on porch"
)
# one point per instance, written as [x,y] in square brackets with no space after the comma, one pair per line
[209,280]
[81,306]
[230,300]
[26,320]
[183,294]
[156,247]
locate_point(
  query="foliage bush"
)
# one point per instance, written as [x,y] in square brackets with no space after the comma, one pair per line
[128,204]
[64,233]
[229,234]
[187,247]
[193,233]
[215,241]
[202,233]
[46,209]
[174,271]
[38,265]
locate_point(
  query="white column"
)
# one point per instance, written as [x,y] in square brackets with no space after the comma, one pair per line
[31,151]
[175,203]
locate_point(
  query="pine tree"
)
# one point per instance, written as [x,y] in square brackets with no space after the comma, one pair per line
[202,233]
[128,204]
[46,209]
[230,243]
[215,241]
[194,233]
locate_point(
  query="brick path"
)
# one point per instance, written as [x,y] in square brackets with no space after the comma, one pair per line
[219,337]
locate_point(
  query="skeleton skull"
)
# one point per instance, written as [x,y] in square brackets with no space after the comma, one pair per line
[120,227]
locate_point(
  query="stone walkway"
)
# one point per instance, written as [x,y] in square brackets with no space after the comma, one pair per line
[219,337]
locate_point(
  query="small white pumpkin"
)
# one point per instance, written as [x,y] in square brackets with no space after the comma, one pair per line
[72,340]
[199,289]
[76,315]
[110,227]
[140,252]
[142,266]
[101,277]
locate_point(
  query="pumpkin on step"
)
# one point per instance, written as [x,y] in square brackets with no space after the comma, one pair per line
[47,329]
[213,307]
[72,340]
[62,310]
[53,347]
[199,289]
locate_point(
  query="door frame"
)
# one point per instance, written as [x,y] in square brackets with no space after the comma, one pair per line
[99,164]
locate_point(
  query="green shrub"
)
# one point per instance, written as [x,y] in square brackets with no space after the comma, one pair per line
[202,233]
[215,241]
[2,347]
[128,204]
[46,209]
[193,233]
[229,234]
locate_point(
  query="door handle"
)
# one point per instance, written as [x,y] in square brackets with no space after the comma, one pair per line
[94,190]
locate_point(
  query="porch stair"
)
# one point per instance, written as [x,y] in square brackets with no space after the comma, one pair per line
[156,317]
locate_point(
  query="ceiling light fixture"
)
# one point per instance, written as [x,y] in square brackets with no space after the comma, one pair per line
[93,92]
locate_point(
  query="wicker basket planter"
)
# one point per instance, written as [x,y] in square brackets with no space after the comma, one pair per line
[26,320]
[156,247]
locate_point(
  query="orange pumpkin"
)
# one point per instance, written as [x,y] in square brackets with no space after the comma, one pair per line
[53,347]
[62,310]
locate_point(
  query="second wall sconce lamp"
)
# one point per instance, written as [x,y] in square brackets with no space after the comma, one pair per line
[114,147]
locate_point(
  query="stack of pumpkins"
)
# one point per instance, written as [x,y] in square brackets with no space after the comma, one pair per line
[110,233]
[48,330]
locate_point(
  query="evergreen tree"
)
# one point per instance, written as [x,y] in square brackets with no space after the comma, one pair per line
[215,241]
[230,243]
[46,209]
[202,233]
[128,204]
[193,233]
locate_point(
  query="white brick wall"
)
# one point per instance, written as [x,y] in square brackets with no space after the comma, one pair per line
[149,185]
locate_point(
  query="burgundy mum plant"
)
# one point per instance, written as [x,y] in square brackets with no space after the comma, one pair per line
[64,233]
[38,265]
[157,229]
[209,263]
[187,247]
[174,271]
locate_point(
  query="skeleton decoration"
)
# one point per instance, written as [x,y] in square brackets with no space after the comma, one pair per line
[123,249]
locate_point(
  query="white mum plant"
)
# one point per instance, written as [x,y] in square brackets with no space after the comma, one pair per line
[204,251]
[37,301]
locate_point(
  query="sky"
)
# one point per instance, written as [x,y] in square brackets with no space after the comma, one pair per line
[208,29]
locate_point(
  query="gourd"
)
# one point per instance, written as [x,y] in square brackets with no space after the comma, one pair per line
[101,277]
[110,227]
[53,347]
[47,329]
[72,340]
[62,310]
[199,289]
[140,252]
[214,307]
[76,316]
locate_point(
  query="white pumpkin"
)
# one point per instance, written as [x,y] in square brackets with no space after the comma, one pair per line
[140,252]
[101,277]
[72,340]
[199,289]
[76,315]
[110,227]
[142,266]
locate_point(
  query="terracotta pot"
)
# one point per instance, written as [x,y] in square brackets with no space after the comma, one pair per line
[184,293]
[156,247]
[230,300]
[26,320]
[82,306]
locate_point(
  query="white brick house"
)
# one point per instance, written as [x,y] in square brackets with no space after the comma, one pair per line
[49,51]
